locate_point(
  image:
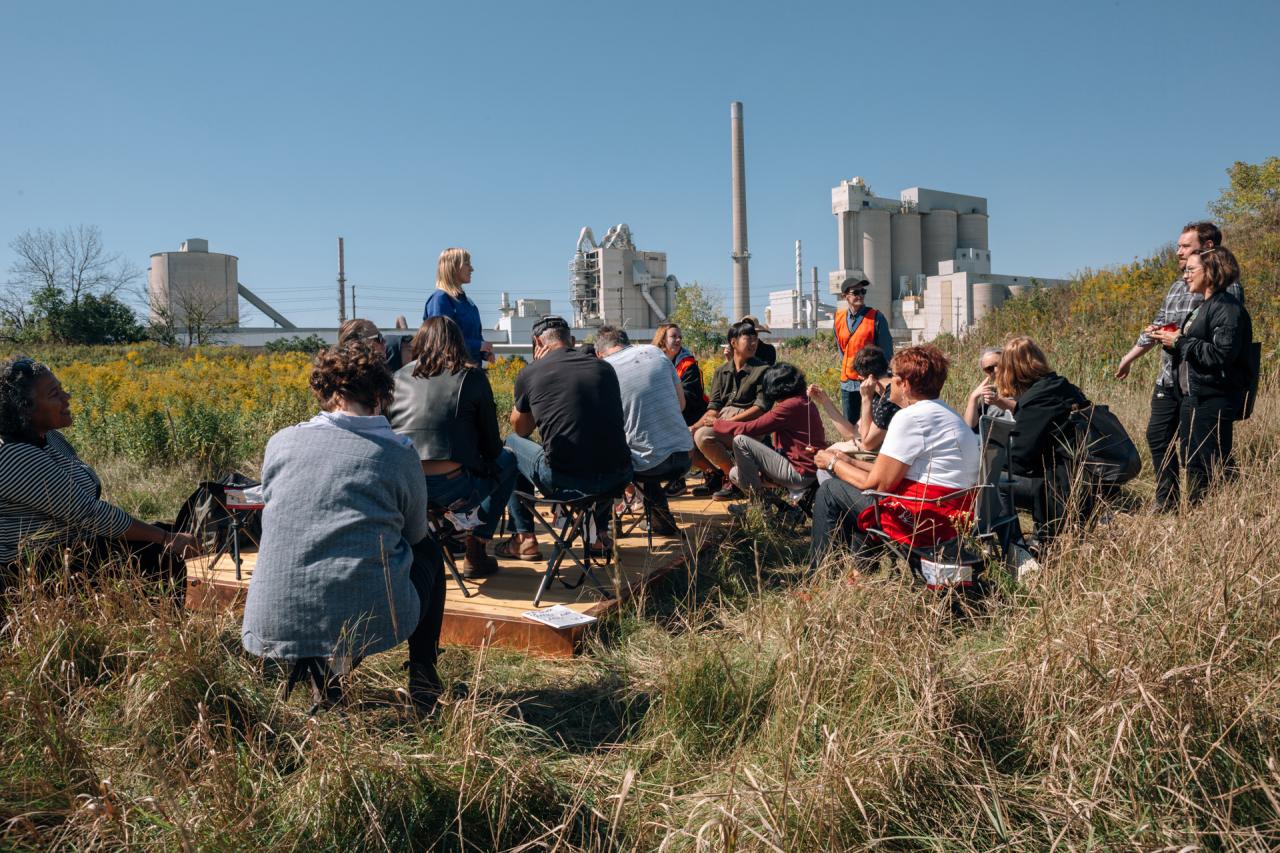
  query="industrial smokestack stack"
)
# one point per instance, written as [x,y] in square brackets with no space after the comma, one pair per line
[741,257]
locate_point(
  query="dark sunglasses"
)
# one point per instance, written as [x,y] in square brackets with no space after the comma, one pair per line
[989,369]
[858,291]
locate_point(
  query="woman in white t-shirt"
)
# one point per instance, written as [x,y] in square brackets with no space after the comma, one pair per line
[928,452]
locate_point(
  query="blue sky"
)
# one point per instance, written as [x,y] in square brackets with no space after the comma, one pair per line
[1095,129]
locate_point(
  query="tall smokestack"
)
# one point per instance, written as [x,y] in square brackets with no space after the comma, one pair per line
[741,257]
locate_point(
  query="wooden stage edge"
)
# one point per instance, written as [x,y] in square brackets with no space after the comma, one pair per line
[492,615]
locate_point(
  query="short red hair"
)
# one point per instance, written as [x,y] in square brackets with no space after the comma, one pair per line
[924,369]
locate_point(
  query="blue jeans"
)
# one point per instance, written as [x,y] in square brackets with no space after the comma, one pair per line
[466,492]
[851,405]
[534,470]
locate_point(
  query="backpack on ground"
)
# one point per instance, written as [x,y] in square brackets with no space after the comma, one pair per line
[1107,455]
[1251,361]
[205,515]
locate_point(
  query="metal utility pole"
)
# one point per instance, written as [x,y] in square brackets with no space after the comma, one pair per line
[741,256]
[342,285]
[797,298]
[354,312]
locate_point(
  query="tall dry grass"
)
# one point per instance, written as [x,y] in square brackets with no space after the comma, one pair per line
[1127,700]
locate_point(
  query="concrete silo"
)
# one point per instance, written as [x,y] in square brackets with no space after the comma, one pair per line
[986,298]
[971,231]
[904,228]
[938,239]
[194,286]
[877,258]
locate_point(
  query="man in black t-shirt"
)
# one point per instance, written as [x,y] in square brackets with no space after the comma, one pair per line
[574,401]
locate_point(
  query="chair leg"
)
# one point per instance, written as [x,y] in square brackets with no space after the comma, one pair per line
[457,576]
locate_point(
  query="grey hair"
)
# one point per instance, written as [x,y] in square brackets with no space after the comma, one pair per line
[612,337]
[18,393]
[986,351]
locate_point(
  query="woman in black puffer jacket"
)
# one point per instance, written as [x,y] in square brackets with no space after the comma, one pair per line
[1209,362]
[1044,401]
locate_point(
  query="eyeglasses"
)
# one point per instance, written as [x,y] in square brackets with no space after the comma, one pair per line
[861,291]
[991,368]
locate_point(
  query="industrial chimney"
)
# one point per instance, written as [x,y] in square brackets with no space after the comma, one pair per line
[741,257]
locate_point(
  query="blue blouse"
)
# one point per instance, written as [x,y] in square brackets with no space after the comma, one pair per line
[463,312]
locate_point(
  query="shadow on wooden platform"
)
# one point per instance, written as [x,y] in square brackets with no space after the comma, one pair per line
[493,614]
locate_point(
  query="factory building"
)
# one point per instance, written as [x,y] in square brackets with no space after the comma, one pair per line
[616,284]
[194,284]
[926,255]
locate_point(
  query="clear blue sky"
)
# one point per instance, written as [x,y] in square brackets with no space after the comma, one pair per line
[1095,129]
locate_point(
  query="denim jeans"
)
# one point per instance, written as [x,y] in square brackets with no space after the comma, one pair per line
[467,492]
[534,470]
[851,405]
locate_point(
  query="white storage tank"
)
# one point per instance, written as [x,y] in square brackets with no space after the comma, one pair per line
[194,285]
[1016,290]
[905,231]
[972,231]
[938,239]
[877,258]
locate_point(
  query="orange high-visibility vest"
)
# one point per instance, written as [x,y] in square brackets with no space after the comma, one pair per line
[851,343]
[686,364]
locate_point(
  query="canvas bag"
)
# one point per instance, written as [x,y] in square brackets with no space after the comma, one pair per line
[205,515]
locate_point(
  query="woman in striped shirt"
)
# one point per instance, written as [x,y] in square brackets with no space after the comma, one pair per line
[49,497]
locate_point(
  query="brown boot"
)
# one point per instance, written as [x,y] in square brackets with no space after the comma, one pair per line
[478,563]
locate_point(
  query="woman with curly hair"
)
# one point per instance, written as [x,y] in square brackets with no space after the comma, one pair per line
[346,568]
[49,498]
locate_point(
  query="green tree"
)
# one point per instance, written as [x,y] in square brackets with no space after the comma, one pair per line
[700,316]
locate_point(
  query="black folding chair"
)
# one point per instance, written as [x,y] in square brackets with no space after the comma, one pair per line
[995,520]
[326,689]
[444,532]
[567,524]
[645,513]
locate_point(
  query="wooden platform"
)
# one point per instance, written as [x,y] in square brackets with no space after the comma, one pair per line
[493,613]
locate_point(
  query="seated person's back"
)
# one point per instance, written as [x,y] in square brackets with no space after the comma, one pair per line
[576,403]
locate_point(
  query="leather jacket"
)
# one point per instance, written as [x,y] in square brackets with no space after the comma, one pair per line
[1212,346]
[450,416]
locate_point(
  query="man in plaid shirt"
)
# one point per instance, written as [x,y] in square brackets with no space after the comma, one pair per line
[1179,302]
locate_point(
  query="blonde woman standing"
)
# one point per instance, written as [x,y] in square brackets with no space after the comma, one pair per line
[453,270]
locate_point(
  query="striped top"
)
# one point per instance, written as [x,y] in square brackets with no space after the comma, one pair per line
[49,496]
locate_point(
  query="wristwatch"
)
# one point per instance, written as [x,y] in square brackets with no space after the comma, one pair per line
[831,466]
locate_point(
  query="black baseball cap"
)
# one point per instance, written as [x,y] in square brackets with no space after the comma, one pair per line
[853,283]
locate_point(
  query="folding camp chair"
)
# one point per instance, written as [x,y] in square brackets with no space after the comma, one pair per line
[326,690]
[444,532]
[945,563]
[645,513]
[995,521]
[567,524]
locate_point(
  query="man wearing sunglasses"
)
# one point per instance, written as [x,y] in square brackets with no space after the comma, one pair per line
[856,326]
[983,399]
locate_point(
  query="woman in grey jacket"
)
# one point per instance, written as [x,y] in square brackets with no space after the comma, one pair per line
[346,568]
[1209,367]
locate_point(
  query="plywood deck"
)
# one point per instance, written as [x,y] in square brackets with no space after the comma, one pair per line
[492,615]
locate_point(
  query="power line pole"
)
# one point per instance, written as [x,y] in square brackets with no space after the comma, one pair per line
[354,312]
[342,286]
[815,300]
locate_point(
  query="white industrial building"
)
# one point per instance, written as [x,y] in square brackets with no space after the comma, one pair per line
[926,255]
[616,284]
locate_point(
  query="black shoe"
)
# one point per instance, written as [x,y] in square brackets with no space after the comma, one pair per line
[730,492]
[675,488]
[711,483]
[424,687]
[663,524]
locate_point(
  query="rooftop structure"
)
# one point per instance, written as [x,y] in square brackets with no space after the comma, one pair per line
[614,283]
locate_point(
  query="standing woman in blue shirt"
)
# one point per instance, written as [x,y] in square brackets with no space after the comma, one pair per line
[453,270]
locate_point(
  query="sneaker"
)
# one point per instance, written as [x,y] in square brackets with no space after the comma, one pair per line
[676,488]
[739,510]
[1024,565]
[711,483]
[729,492]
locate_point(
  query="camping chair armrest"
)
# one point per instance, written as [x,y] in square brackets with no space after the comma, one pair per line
[940,499]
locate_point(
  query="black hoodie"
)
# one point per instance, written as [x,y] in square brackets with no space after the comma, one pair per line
[1042,411]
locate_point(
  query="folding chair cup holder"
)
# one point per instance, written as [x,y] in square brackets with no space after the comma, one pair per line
[567,525]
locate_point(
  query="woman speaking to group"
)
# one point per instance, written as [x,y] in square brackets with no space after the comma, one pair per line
[453,270]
